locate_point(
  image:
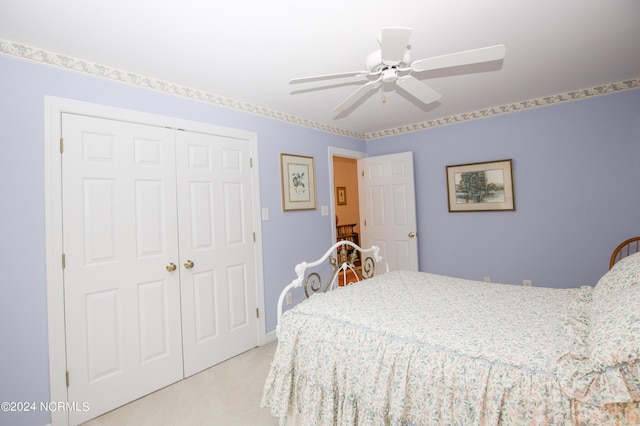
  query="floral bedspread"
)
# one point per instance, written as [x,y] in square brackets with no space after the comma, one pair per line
[411,348]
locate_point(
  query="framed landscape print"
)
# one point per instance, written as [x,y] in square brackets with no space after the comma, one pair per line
[484,186]
[298,182]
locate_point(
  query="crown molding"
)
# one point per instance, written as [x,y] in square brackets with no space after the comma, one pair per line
[42,56]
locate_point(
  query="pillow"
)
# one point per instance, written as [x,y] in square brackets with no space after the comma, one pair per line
[623,274]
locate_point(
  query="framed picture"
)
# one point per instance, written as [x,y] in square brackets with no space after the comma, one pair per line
[298,182]
[484,186]
[341,195]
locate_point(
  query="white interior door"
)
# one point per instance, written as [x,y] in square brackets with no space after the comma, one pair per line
[217,260]
[388,208]
[122,311]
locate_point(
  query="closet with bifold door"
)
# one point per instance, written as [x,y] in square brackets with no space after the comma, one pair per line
[159,257]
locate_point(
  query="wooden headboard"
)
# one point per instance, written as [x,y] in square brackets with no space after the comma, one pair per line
[630,246]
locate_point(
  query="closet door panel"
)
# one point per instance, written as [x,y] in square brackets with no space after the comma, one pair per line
[215,227]
[122,309]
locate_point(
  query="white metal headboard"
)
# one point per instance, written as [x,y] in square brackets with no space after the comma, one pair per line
[313,282]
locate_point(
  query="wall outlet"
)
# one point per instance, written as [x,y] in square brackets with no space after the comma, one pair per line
[487,279]
[287,299]
[526,283]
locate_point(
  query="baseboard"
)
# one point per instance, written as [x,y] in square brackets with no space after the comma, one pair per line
[270,337]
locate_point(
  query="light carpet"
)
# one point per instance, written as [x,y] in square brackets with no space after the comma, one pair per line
[226,394]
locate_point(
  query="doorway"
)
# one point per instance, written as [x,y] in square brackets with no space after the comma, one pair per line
[346,199]
[344,174]
[386,202]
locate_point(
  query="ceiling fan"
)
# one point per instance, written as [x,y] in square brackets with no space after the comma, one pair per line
[391,64]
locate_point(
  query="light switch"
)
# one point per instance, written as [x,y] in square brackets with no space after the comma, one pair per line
[265,214]
[324,210]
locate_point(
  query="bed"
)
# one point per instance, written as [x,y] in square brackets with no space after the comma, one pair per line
[624,249]
[413,348]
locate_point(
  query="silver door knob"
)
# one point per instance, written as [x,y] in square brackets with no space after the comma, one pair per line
[170,267]
[188,264]
[412,234]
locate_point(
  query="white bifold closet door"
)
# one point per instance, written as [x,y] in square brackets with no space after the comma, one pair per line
[159,261]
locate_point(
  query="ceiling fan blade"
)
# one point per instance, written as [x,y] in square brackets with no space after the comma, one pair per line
[393,44]
[327,76]
[357,95]
[484,54]
[418,89]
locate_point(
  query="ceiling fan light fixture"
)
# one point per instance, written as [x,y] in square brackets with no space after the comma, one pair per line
[374,62]
[389,75]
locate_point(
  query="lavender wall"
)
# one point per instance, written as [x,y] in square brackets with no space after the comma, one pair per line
[24,374]
[576,180]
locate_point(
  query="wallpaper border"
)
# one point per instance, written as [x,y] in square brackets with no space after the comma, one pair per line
[518,106]
[35,54]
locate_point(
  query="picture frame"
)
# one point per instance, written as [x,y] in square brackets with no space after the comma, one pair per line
[341,195]
[485,186]
[298,182]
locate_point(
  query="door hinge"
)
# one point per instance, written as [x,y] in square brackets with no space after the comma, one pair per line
[64,260]
[250,162]
[61,145]
[254,237]
[257,313]
[67,378]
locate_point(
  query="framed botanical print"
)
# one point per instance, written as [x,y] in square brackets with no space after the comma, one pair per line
[298,182]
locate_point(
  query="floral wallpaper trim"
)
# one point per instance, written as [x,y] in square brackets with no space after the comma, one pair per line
[42,56]
[35,54]
[518,106]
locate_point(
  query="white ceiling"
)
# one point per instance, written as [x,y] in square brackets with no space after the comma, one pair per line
[248,50]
